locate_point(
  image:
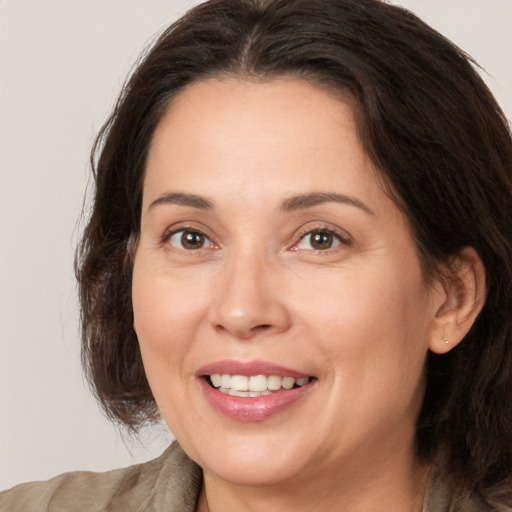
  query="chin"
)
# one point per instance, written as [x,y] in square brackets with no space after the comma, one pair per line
[255,462]
[253,472]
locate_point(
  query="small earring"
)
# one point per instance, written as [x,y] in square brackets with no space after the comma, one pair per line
[445,339]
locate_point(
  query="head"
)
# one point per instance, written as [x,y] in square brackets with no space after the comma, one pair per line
[436,144]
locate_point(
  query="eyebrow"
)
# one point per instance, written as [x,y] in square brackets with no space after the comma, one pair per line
[183,200]
[304,201]
[291,204]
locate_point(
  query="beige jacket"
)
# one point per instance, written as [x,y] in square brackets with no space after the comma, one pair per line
[170,483]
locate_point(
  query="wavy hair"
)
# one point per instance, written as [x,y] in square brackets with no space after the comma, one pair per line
[432,128]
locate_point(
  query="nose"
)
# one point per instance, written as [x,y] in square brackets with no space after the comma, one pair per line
[248,302]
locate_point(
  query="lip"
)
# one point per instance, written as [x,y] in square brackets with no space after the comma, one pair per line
[249,369]
[249,409]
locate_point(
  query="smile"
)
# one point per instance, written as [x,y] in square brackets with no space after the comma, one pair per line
[255,385]
[253,391]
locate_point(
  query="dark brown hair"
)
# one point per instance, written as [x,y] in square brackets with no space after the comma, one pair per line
[430,125]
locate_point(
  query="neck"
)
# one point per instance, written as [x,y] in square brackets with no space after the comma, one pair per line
[390,488]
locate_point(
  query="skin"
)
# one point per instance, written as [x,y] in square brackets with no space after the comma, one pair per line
[359,316]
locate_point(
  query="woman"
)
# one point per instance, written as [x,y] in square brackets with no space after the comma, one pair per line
[299,255]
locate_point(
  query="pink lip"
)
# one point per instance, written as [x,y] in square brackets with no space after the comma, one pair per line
[249,368]
[251,408]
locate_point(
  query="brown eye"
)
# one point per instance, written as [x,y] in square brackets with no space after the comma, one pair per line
[189,240]
[320,240]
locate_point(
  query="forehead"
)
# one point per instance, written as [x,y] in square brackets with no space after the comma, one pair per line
[252,140]
[242,109]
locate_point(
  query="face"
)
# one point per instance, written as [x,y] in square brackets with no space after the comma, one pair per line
[269,250]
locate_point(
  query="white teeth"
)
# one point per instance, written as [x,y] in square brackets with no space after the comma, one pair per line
[288,382]
[274,382]
[234,392]
[225,381]
[216,380]
[241,383]
[256,385]
[253,394]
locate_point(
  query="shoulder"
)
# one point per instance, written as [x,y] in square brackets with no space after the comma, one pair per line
[172,481]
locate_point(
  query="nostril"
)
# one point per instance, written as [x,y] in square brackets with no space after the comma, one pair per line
[262,327]
[242,333]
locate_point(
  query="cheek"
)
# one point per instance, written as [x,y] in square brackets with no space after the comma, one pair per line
[166,314]
[372,322]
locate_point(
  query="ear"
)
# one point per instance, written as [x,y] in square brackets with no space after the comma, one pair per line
[460,302]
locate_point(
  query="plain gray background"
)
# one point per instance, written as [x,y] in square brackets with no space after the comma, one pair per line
[62,63]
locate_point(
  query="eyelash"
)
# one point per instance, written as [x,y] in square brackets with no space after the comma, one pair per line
[168,236]
[340,238]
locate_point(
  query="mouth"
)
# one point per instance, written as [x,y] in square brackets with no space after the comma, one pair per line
[255,385]
[253,391]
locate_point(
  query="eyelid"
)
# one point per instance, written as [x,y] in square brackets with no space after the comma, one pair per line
[177,228]
[342,235]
